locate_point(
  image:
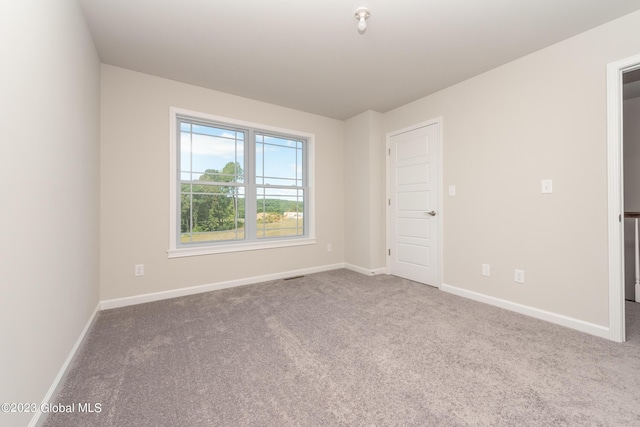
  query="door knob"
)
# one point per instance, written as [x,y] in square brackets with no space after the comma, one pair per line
[432,213]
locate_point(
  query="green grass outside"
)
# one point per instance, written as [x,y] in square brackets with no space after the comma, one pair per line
[282,228]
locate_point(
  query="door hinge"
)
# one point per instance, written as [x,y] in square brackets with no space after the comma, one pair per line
[389,252]
[389,152]
[389,202]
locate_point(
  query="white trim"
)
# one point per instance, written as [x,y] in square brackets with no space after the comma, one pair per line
[616,195]
[175,250]
[558,319]
[437,120]
[365,271]
[440,122]
[173,170]
[192,290]
[238,247]
[63,370]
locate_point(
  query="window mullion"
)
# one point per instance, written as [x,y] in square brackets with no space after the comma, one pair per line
[250,208]
[190,185]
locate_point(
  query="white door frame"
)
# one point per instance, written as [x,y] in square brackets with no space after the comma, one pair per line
[437,120]
[616,194]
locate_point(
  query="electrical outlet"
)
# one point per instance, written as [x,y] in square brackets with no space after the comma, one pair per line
[519,276]
[329,247]
[452,190]
[486,270]
[138,270]
[546,186]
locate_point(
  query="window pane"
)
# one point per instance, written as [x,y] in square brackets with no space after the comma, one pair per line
[259,163]
[278,161]
[185,151]
[212,217]
[212,151]
[299,162]
[185,213]
[208,188]
[280,212]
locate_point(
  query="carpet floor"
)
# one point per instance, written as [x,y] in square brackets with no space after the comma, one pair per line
[343,349]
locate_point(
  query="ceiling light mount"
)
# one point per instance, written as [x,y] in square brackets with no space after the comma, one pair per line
[362,14]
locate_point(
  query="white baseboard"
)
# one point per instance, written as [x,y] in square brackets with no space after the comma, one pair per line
[157,296]
[559,319]
[366,271]
[57,382]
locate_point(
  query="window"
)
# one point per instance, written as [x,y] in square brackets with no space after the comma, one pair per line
[238,186]
[279,186]
[212,190]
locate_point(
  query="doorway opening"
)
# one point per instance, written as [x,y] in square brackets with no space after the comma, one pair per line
[631,199]
[617,72]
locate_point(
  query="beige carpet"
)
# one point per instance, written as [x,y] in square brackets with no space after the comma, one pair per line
[343,349]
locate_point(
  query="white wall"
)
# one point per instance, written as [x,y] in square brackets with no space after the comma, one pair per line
[49,81]
[540,117]
[631,120]
[364,186]
[134,187]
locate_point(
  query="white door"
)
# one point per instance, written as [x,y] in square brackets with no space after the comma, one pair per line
[413,204]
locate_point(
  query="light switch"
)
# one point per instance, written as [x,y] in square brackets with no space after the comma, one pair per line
[138,270]
[486,270]
[547,186]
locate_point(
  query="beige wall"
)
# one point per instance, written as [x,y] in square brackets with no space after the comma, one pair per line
[364,184]
[134,187]
[49,81]
[364,192]
[377,205]
[540,117]
[631,111]
[356,191]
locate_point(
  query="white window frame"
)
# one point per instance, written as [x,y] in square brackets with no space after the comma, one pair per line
[176,250]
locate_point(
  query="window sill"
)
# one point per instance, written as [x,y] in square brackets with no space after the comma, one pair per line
[238,247]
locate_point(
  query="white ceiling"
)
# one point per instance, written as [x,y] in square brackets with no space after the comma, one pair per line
[308,54]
